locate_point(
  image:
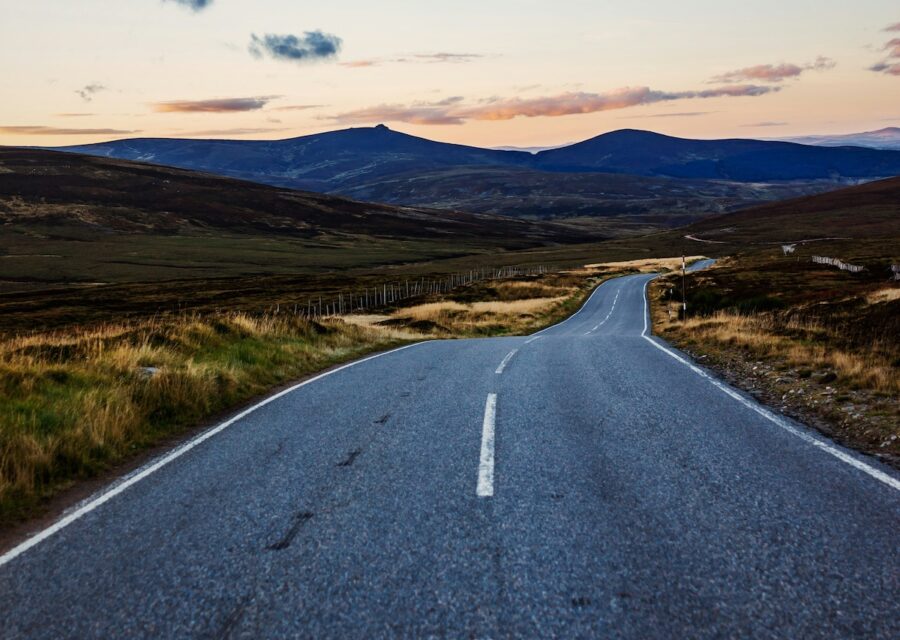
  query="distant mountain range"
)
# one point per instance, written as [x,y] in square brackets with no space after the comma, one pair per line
[637,174]
[887,138]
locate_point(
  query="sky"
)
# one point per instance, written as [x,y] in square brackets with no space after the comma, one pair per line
[488,72]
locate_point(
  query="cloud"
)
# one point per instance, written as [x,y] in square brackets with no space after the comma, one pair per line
[453,111]
[773,72]
[893,52]
[447,57]
[242,131]
[893,48]
[220,105]
[767,123]
[57,131]
[88,91]
[682,114]
[415,58]
[887,68]
[311,46]
[74,115]
[361,64]
[196,5]
[298,107]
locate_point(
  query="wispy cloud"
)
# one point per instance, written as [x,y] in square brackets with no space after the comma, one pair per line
[454,110]
[773,72]
[35,130]
[88,91]
[891,69]
[239,131]
[219,105]
[361,64]
[298,107]
[893,48]
[74,115]
[679,114]
[415,58]
[195,5]
[310,47]
[767,123]
[891,65]
[447,57]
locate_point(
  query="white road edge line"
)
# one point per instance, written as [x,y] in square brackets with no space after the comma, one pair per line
[768,415]
[509,356]
[485,487]
[140,474]
[530,340]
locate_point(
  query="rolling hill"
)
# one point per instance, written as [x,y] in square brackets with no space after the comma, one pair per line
[75,218]
[651,154]
[865,212]
[377,163]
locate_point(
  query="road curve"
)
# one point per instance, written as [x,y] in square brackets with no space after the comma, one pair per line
[587,481]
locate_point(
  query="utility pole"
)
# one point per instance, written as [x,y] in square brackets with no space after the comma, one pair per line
[683,287]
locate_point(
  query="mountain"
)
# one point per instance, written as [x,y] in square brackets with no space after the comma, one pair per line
[325,162]
[887,138]
[579,180]
[869,211]
[652,154]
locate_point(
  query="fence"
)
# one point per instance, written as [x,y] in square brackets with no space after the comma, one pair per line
[835,262]
[380,296]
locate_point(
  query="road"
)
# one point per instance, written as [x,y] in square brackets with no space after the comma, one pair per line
[581,482]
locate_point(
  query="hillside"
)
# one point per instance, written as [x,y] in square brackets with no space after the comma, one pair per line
[71,218]
[866,212]
[44,187]
[376,163]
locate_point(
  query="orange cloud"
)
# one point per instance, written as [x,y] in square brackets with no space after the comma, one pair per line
[454,111]
[222,105]
[773,72]
[35,130]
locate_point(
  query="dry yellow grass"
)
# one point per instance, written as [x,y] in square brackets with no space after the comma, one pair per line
[648,265]
[455,318]
[73,403]
[888,294]
[763,336]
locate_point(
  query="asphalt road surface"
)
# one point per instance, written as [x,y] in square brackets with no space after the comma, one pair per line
[582,482]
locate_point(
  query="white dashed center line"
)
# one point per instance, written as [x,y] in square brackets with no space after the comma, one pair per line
[611,309]
[485,487]
[509,356]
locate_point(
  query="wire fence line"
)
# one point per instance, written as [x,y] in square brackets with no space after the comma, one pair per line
[372,297]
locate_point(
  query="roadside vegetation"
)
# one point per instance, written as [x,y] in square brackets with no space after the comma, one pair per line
[821,344]
[76,402]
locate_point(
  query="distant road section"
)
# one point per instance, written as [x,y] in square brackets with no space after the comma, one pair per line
[587,481]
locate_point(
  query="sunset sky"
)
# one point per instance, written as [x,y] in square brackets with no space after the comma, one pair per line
[486,72]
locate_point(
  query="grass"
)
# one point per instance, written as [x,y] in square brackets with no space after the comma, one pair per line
[74,403]
[496,307]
